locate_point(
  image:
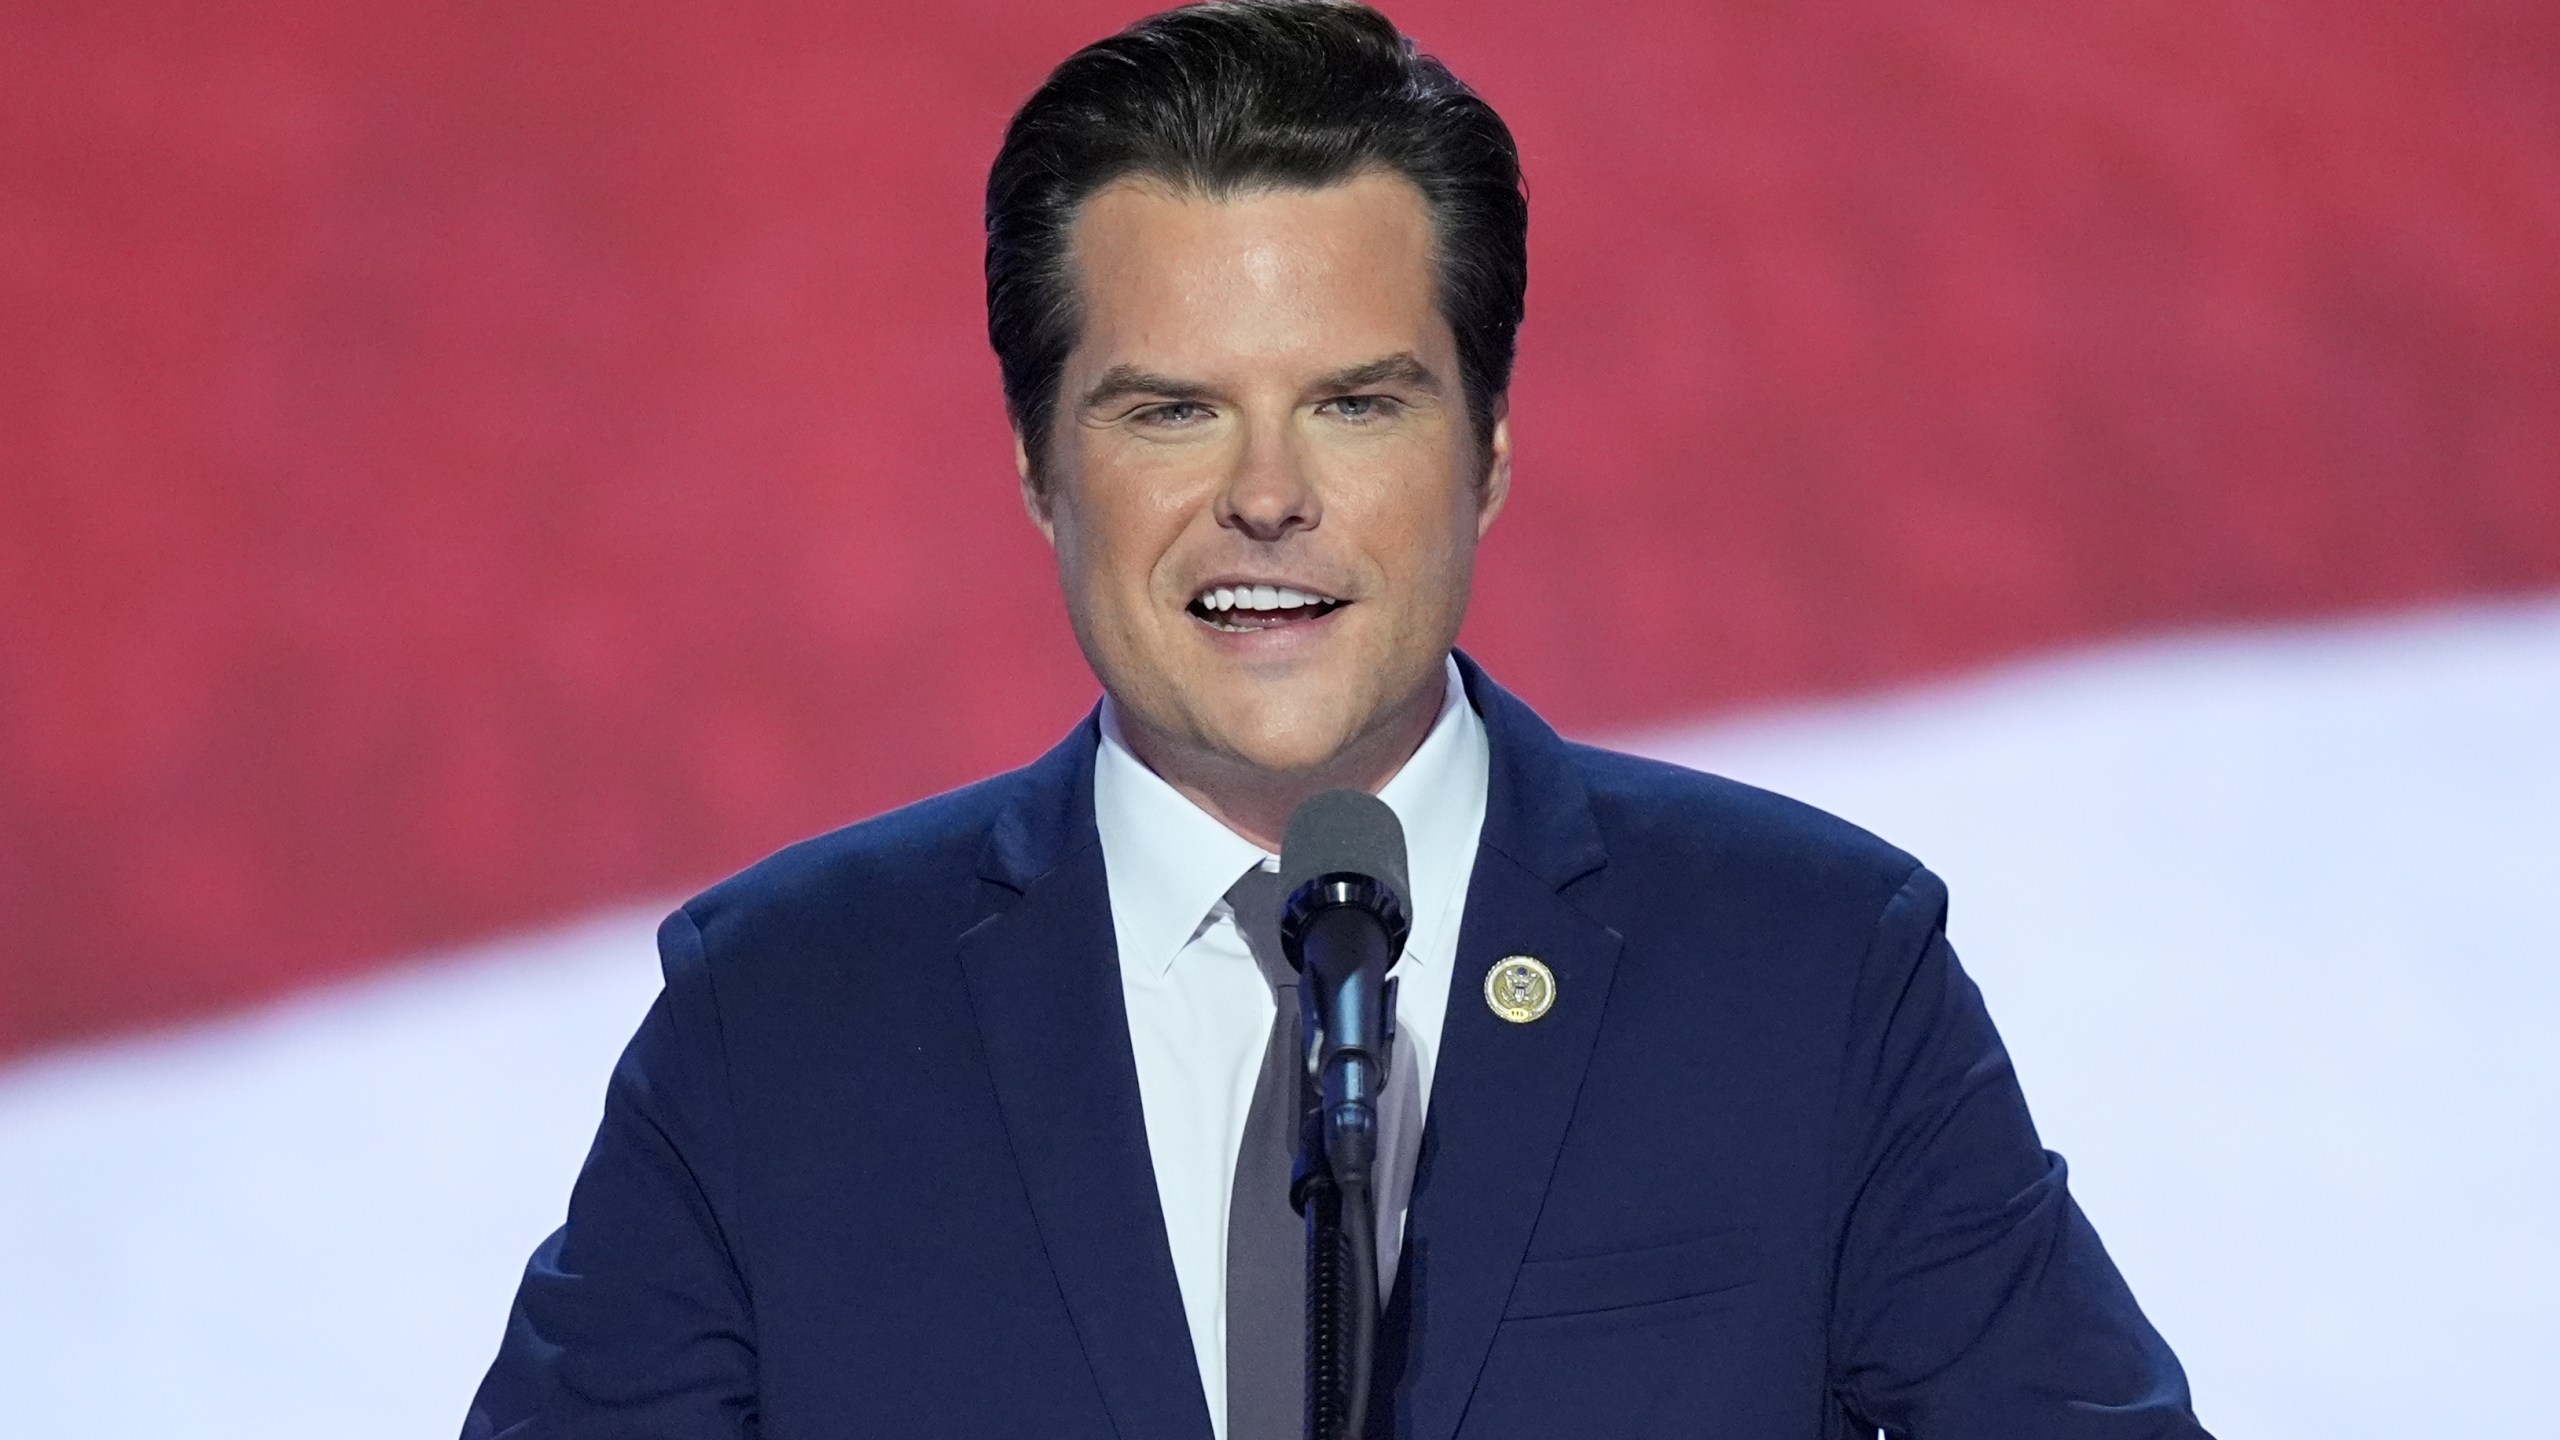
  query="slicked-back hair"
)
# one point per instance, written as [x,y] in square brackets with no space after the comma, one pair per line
[1226,98]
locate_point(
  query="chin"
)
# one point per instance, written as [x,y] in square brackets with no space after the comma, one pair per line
[1292,747]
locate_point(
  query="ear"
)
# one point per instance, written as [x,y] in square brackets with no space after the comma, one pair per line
[1034,503]
[1497,468]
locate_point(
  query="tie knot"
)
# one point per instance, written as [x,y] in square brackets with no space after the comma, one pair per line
[1255,898]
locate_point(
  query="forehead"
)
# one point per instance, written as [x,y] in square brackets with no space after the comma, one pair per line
[1271,274]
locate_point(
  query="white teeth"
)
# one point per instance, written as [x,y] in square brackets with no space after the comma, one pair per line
[1258,597]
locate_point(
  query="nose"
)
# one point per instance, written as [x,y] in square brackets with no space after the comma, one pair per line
[1269,493]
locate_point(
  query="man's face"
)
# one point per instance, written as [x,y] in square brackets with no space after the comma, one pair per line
[1261,483]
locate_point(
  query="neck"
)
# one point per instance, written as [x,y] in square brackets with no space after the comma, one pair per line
[1256,803]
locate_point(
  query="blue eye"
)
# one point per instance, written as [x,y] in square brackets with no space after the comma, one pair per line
[1362,408]
[1173,412]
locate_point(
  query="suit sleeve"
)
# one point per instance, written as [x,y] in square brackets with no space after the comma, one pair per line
[633,1319]
[1974,1301]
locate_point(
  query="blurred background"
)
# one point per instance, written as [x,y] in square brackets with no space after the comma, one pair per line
[472,473]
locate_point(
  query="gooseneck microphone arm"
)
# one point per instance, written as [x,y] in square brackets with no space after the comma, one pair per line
[1342,1294]
[1343,924]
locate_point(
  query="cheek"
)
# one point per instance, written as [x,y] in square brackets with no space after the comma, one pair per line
[1111,542]
[1429,544]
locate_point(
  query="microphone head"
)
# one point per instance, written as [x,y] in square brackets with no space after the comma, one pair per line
[1344,832]
[1339,834]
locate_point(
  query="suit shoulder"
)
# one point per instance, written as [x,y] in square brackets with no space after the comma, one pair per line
[917,853]
[1684,820]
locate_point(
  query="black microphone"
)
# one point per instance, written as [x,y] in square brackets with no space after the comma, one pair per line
[1342,925]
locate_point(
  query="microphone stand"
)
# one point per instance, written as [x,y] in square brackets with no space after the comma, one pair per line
[1342,1288]
[1334,1186]
[1342,930]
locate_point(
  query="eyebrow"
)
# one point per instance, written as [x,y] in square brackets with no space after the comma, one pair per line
[1121,382]
[1401,368]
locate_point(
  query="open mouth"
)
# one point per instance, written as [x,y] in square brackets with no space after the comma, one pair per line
[1239,609]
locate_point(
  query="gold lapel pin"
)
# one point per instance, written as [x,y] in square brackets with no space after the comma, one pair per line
[1519,988]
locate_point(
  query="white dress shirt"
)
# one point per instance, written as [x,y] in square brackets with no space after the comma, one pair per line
[1200,1012]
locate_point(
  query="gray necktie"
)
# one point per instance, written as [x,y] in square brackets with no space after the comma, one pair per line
[1266,1241]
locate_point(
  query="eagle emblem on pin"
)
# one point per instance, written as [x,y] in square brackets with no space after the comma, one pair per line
[1519,988]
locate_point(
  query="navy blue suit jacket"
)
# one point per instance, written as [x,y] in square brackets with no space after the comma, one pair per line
[874,1163]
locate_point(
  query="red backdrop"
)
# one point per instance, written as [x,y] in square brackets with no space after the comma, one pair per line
[462,462]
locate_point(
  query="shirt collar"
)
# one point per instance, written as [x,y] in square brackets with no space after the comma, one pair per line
[1439,798]
[1168,862]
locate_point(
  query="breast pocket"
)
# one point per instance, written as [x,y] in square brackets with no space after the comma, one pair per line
[1627,1279]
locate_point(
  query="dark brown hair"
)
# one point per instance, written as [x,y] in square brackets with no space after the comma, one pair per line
[1227,97]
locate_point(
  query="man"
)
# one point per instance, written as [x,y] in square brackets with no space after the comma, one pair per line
[954,1122]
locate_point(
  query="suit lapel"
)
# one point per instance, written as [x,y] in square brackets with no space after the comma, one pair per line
[1503,1093]
[1044,981]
